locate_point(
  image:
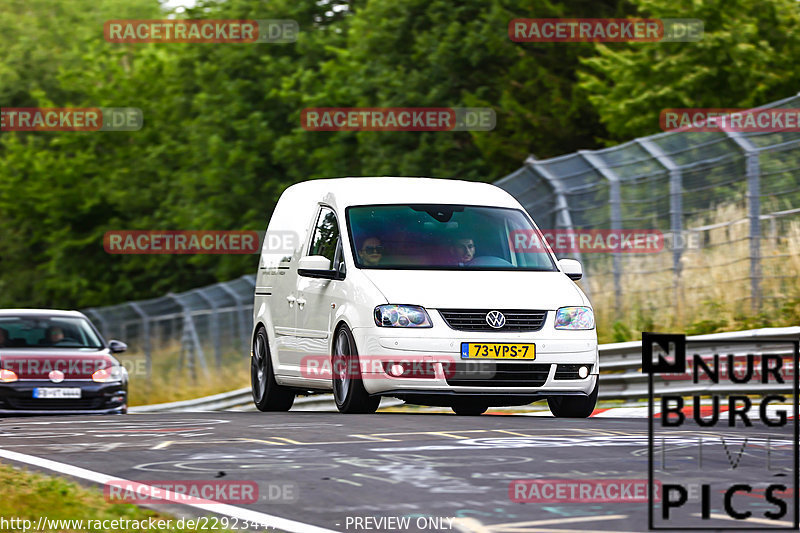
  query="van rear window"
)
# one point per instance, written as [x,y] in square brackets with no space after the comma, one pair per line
[444,236]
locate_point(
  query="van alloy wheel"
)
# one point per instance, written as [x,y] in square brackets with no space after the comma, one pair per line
[348,387]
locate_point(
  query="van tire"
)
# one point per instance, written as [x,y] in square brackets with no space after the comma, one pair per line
[469,408]
[573,406]
[348,388]
[267,394]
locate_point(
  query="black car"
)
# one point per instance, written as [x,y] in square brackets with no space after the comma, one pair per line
[56,362]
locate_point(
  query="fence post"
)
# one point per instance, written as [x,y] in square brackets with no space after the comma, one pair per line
[146,333]
[753,173]
[563,217]
[615,201]
[675,213]
[101,320]
[190,342]
[214,327]
[244,334]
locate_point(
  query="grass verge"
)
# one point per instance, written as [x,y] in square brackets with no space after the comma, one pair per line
[170,381]
[29,496]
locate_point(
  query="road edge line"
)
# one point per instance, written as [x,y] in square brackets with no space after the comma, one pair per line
[248,515]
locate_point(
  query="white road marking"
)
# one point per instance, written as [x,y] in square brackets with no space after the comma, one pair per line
[551,530]
[534,523]
[212,506]
[750,520]
[471,525]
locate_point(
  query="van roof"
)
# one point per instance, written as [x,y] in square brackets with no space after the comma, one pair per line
[391,190]
[39,312]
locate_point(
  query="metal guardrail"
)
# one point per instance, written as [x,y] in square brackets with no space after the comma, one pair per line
[620,379]
[217,402]
[242,400]
[620,364]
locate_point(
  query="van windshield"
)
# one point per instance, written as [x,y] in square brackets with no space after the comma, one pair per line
[445,237]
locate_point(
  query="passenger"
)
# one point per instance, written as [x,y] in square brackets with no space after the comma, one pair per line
[463,250]
[370,252]
[3,337]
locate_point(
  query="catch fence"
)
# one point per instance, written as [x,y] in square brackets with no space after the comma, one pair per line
[203,326]
[727,203]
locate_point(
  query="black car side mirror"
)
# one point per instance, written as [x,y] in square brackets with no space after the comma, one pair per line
[117,346]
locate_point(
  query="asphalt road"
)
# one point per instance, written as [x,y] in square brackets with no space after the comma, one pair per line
[335,469]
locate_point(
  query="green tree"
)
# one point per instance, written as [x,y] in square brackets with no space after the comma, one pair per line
[747,58]
[222,135]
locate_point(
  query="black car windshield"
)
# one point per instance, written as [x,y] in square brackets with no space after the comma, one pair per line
[445,237]
[47,332]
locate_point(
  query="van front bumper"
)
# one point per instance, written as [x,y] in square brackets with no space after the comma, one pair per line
[435,354]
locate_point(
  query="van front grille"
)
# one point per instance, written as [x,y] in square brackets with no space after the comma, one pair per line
[475,319]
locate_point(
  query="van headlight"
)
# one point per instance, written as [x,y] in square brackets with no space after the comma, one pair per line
[575,318]
[402,316]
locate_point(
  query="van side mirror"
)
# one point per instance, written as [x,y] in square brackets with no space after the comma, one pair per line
[117,346]
[316,266]
[571,268]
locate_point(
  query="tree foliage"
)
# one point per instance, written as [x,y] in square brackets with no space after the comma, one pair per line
[746,58]
[222,135]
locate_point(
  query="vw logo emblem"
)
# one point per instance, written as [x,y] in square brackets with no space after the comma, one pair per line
[56,376]
[495,319]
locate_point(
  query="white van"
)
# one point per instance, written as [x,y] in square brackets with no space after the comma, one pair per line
[418,288]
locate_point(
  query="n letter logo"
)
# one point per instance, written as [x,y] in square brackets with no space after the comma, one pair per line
[663,353]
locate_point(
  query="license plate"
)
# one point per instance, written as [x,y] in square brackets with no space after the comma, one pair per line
[494,350]
[53,393]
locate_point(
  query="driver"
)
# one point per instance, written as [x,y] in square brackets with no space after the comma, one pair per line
[371,251]
[55,335]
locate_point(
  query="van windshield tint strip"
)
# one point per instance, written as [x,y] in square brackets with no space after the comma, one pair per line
[443,237]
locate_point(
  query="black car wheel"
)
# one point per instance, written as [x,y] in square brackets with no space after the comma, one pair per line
[267,394]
